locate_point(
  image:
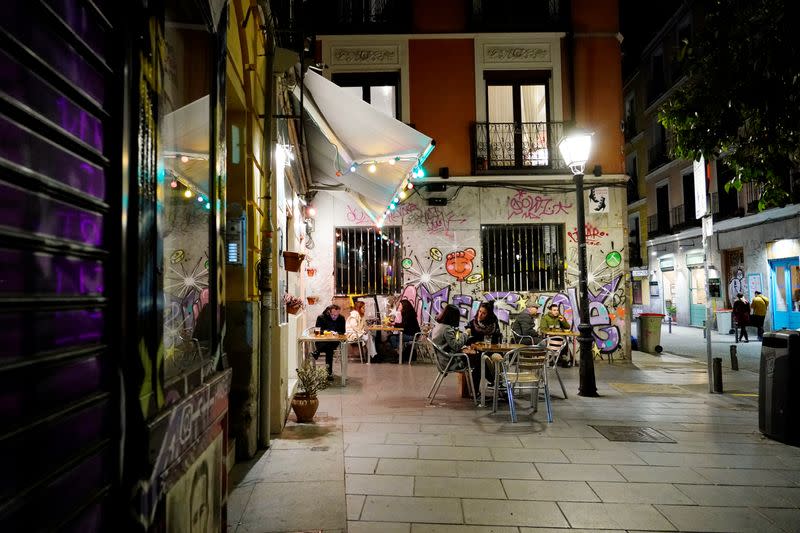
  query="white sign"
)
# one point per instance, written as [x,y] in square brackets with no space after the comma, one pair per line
[598,200]
[700,203]
[708,227]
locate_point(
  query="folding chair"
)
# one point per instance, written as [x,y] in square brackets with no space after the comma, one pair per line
[525,368]
[362,346]
[445,369]
[556,346]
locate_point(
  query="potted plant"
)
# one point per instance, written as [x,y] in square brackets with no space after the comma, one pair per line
[310,379]
[293,304]
[672,310]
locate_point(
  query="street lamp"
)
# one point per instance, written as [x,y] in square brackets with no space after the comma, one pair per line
[575,149]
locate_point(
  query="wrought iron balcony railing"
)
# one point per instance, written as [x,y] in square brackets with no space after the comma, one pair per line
[677,217]
[657,155]
[344,17]
[526,147]
[657,225]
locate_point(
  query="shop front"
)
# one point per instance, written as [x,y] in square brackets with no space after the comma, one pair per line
[784,263]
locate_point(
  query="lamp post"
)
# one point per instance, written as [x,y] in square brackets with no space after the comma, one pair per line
[575,149]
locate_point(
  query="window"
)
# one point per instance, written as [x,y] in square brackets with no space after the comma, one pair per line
[634,241]
[185,217]
[368,262]
[631,169]
[518,113]
[379,89]
[629,125]
[523,257]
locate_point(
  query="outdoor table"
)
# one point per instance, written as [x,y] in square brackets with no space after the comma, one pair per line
[342,339]
[483,347]
[393,330]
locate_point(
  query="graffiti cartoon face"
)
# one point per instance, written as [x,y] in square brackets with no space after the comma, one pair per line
[459,264]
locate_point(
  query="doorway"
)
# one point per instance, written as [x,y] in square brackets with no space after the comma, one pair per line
[786,293]
[697,296]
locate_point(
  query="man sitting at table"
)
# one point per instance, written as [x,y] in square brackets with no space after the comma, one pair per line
[330,320]
[553,320]
[524,327]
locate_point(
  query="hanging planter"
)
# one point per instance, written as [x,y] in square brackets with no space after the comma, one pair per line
[292,261]
[293,309]
[311,271]
[312,300]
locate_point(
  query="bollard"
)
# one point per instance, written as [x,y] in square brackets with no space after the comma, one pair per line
[734,359]
[717,373]
[669,322]
[704,329]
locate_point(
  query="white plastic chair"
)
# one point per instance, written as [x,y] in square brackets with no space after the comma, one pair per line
[446,369]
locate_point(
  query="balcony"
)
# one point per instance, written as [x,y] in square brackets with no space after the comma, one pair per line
[629,128]
[516,16]
[517,148]
[633,188]
[749,197]
[657,225]
[353,17]
[657,156]
[677,218]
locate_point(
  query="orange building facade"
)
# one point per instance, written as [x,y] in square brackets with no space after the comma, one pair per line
[494,217]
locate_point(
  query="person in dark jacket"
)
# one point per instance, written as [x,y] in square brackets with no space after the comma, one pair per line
[741,314]
[484,325]
[525,324]
[330,320]
[410,325]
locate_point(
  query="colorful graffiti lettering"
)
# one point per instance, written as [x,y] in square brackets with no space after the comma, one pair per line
[459,264]
[606,307]
[532,207]
[593,235]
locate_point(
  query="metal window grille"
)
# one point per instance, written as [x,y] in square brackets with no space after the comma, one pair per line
[524,257]
[368,262]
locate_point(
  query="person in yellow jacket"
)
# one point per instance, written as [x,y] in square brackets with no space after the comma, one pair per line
[759,305]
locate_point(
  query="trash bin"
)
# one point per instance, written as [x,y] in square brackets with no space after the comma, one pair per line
[650,332]
[724,321]
[778,393]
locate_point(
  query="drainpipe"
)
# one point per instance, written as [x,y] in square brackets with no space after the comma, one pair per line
[265,272]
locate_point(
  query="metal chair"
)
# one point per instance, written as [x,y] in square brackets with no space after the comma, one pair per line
[556,346]
[419,339]
[521,369]
[359,342]
[439,356]
[520,339]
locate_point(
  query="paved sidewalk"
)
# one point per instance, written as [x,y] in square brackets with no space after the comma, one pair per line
[380,460]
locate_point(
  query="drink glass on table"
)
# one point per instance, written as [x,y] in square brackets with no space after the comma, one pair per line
[317,331]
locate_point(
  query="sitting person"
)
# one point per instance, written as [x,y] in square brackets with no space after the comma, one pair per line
[524,327]
[484,325]
[356,328]
[330,320]
[410,325]
[553,320]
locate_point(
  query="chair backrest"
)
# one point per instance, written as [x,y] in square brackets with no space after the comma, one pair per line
[440,357]
[518,338]
[308,331]
[525,360]
[555,347]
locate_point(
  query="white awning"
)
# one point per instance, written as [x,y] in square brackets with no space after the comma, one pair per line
[343,130]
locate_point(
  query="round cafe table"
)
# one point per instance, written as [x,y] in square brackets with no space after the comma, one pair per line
[480,348]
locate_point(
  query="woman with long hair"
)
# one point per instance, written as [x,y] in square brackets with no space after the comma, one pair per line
[356,328]
[484,325]
[409,323]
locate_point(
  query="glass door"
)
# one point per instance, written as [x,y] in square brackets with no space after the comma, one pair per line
[786,293]
[517,129]
[697,296]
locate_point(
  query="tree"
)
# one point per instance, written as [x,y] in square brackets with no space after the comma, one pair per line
[741,101]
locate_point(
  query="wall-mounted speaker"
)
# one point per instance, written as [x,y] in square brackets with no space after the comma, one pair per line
[444,172]
[437,201]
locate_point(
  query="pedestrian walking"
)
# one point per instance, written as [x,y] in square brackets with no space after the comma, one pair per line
[759,305]
[741,314]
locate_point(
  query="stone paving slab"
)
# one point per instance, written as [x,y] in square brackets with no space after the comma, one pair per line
[379,459]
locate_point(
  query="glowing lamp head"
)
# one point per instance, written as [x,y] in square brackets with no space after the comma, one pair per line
[372,168]
[392,162]
[403,195]
[310,211]
[575,148]
[187,193]
[173,184]
[410,186]
[184,159]
[208,205]
[353,167]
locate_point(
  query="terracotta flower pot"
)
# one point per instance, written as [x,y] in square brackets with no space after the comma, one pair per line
[292,261]
[312,299]
[293,309]
[311,272]
[304,407]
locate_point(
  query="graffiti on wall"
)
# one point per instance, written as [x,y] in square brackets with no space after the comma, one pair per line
[453,278]
[593,235]
[534,206]
[436,220]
